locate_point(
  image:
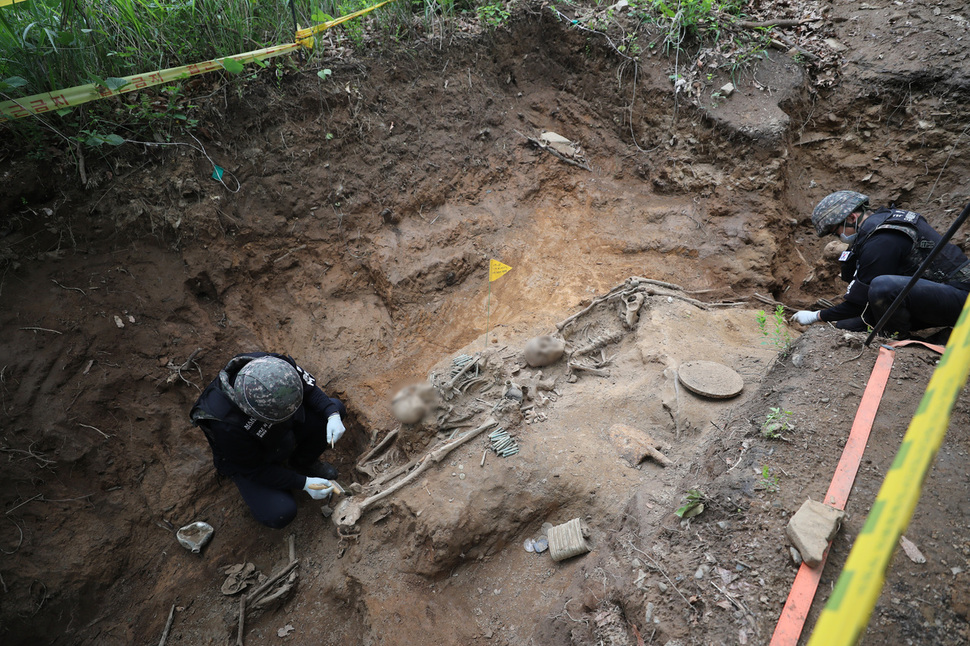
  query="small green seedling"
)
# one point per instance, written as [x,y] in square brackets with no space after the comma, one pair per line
[778,334]
[768,481]
[693,504]
[776,422]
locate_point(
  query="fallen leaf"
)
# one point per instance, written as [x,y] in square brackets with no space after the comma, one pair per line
[911,550]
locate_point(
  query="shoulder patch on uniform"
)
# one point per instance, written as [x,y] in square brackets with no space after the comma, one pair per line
[306,376]
[845,255]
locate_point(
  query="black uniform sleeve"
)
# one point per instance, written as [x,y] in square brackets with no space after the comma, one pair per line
[315,399]
[883,255]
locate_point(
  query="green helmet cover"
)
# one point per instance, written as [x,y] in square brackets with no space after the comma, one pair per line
[835,208]
[269,389]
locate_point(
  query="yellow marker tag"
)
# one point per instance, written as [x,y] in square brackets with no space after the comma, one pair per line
[496,270]
[4,3]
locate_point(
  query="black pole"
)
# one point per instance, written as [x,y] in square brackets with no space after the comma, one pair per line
[919,272]
[295,27]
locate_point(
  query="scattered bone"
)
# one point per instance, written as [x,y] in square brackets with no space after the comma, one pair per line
[349,511]
[636,445]
[631,314]
[578,367]
[597,343]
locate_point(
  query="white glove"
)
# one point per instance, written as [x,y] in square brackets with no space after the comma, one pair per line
[318,488]
[335,429]
[806,317]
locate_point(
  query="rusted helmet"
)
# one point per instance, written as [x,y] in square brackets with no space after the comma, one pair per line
[268,389]
[835,208]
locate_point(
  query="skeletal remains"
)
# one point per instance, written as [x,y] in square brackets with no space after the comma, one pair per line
[482,371]
[349,511]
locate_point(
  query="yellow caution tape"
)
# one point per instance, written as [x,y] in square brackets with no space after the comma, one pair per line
[324,26]
[59,99]
[846,614]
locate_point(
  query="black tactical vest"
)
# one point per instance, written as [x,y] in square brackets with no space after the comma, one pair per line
[950,266]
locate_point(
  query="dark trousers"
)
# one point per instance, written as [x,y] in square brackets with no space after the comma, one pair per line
[276,508]
[927,305]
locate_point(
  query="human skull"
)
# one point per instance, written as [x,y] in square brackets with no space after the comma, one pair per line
[543,351]
[411,403]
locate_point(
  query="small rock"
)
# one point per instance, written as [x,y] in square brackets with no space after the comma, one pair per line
[529,545]
[811,529]
[326,511]
[661,586]
[834,45]
[540,544]
[545,528]
[636,563]
[648,617]
[795,556]
[797,360]
[119,322]
[956,570]
[723,524]
[727,89]
[461,476]
[702,571]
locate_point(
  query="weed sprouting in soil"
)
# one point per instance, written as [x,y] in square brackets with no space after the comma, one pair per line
[776,333]
[693,505]
[776,422]
[769,482]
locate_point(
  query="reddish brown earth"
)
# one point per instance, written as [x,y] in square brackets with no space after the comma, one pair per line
[364,254]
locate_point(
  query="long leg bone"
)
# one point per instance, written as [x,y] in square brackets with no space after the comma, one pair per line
[348,512]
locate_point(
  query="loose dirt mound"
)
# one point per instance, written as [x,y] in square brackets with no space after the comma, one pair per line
[359,243]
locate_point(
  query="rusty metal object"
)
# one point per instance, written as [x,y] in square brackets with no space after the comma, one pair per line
[568,540]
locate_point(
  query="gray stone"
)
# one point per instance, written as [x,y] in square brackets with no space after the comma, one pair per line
[811,529]
[661,586]
[795,556]
[727,89]
[702,571]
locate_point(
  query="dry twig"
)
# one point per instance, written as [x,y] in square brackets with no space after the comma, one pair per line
[168,626]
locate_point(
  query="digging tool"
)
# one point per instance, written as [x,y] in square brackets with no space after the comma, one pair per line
[349,511]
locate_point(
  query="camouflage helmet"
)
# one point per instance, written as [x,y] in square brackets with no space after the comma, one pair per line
[835,208]
[269,389]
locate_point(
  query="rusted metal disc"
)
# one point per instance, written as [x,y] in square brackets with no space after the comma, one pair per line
[710,379]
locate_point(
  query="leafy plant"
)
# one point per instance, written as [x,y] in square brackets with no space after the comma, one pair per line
[777,333]
[776,422]
[493,15]
[768,481]
[693,504]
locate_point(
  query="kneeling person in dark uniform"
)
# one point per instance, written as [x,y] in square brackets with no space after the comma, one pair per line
[268,423]
[886,247]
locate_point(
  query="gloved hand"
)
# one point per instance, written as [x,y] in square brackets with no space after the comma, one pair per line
[335,429]
[806,317]
[318,488]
